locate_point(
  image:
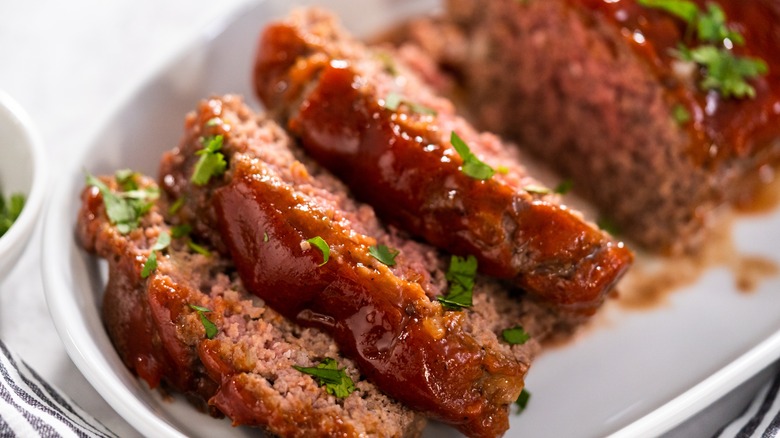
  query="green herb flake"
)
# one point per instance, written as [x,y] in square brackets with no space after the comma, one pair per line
[335,380]
[388,63]
[265,237]
[211,162]
[126,180]
[564,187]
[125,209]
[214,121]
[384,254]
[180,231]
[726,72]
[503,170]
[680,114]
[522,400]
[686,10]
[607,225]
[322,245]
[394,100]
[460,278]
[163,240]
[176,206]
[198,248]
[211,328]
[515,335]
[723,71]
[537,189]
[472,166]
[10,211]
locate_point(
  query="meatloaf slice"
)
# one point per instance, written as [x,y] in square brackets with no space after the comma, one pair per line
[598,90]
[371,121]
[269,209]
[245,369]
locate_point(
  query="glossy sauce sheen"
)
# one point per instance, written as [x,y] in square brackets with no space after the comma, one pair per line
[399,166]
[721,129]
[410,347]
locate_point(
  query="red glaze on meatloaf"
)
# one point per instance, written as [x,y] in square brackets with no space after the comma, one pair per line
[266,209]
[333,92]
[245,369]
[595,89]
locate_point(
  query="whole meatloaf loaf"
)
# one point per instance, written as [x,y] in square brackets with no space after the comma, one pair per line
[660,111]
[369,119]
[191,327]
[301,243]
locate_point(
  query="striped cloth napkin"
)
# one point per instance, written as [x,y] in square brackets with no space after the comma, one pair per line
[761,418]
[30,407]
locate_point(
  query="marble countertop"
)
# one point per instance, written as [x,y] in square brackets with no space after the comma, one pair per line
[68,62]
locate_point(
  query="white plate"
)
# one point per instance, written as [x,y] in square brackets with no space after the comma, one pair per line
[634,373]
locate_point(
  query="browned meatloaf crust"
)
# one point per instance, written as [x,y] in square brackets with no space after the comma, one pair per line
[333,93]
[246,371]
[590,87]
[272,200]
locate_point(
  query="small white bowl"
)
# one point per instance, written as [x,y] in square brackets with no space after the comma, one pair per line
[22,170]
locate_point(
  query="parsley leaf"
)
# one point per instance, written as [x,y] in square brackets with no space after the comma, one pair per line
[383,254]
[125,209]
[327,373]
[211,161]
[607,225]
[711,26]
[163,240]
[180,231]
[515,335]
[537,189]
[726,72]
[522,400]
[394,100]
[322,245]
[564,187]
[460,277]
[472,166]
[680,114]
[686,10]
[198,248]
[10,211]
[176,206]
[211,328]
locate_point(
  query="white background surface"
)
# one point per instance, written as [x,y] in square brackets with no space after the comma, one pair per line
[67,63]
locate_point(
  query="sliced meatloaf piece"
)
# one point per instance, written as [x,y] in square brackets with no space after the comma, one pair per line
[364,116]
[160,328]
[268,211]
[600,91]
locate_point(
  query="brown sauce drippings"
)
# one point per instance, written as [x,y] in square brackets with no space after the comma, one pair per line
[652,279]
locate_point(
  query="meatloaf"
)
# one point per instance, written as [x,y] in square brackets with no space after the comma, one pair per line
[366,117]
[245,369]
[303,245]
[634,103]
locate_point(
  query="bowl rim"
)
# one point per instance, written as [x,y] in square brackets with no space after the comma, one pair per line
[21,230]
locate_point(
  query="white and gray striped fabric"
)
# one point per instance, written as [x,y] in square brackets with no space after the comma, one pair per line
[761,418]
[30,407]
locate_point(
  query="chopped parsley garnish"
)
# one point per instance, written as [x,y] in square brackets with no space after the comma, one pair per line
[125,209]
[394,100]
[607,225]
[214,121]
[564,187]
[180,231]
[384,254]
[503,170]
[198,249]
[126,179]
[211,328]
[335,380]
[176,206]
[472,166]
[522,400]
[537,189]
[265,237]
[10,211]
[211,162]
[723,71]
[515,335]
[163,240]
[460,278]
[726,72]
[680,114]
[322,245]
